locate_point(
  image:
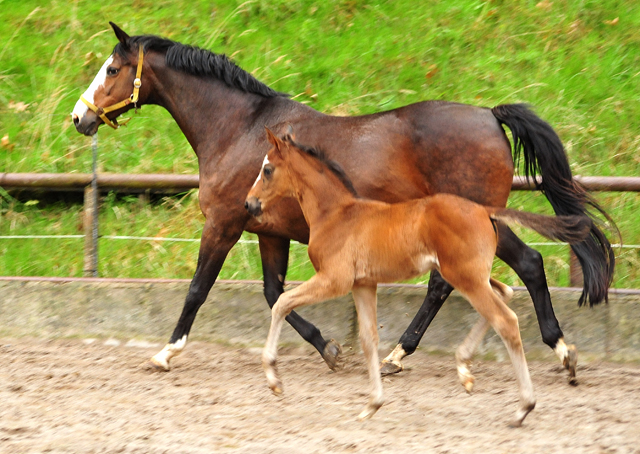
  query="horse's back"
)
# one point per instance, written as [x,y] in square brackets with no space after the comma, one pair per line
[417,150]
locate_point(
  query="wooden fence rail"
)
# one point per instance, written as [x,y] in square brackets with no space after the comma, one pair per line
[171,183]
[177,183]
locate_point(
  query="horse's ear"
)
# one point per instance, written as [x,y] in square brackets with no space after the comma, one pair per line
[289,135]
[120,34]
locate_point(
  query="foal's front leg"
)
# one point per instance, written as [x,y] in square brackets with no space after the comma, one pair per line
[366,305]
[315,290]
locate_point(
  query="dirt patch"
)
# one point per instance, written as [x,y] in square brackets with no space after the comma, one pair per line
[71,396]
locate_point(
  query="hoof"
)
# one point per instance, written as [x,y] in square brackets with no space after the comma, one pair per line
[389,367]
[368,411]
[466,379]
[468,385]
[570,362]
[158,365]
[521,414]
[331,355]
[276,388]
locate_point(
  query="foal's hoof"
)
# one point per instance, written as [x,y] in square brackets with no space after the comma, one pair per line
[521,414]
[369,411]
[276,387]
[570,362]
[277,390]
[389,367]
[331,354]
[468,384]
[466,379]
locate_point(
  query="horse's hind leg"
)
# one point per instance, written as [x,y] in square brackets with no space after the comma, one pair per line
[466,350]
[438,291]
[366,305]
[505,322]
[527,263]
[274,252]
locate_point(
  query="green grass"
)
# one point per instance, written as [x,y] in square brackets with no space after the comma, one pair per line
[577,62]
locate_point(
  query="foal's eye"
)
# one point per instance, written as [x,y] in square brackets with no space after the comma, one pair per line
[111,71]
[267,171]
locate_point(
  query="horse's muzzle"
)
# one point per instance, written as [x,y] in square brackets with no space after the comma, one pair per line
[86,126]
[253,206]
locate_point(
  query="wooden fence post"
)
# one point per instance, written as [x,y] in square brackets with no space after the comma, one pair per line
[90,238]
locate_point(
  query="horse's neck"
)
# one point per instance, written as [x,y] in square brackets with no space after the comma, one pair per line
[319,194]
[209,113]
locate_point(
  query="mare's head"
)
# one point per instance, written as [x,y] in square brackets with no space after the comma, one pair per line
[274,179]
[118,87]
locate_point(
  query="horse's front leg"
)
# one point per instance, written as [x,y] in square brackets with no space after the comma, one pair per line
[527,263]
[315,290]
[274,252]
[217,241]
[438,291]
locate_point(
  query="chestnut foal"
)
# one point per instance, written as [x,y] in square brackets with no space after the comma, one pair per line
[355,243]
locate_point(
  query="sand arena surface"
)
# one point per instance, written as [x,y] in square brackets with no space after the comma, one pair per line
[76,397]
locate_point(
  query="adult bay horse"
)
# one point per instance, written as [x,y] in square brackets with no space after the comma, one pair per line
[355,243]
[420,149]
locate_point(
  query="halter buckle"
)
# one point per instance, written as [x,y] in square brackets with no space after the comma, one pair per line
[137,83]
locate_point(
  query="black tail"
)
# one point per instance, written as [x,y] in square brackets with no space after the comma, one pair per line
[544,154]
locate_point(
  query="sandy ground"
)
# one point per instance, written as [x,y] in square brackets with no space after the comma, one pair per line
[74,396]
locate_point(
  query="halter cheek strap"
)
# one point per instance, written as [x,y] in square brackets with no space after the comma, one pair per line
[133,99]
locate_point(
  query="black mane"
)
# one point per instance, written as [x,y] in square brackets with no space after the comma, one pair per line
[332,165]
[199,62]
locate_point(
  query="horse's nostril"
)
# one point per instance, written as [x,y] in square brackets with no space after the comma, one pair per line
[76,119]
[246,205]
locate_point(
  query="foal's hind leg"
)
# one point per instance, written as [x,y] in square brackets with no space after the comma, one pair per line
[466,350]
[366,305]
[505,322]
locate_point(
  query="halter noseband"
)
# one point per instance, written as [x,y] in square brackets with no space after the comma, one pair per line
[103,111]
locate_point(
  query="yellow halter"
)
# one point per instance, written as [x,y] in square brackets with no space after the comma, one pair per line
[103,111]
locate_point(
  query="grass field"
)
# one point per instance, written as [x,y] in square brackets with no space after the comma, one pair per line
[577,62]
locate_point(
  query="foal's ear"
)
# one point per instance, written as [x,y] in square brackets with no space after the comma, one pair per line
[273,139]
[120,33]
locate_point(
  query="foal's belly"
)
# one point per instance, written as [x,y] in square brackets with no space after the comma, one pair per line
[389,270]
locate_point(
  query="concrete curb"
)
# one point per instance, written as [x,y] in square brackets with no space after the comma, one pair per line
[236,314]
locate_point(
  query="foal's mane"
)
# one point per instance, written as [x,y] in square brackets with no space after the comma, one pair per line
[332,165]
[199,62]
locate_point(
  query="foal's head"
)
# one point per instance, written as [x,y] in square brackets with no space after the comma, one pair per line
[289,169]
[274,180]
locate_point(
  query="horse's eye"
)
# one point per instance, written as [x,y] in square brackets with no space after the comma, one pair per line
[267,172]
[111,71]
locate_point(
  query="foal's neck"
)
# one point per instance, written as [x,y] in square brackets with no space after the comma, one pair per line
[318,190]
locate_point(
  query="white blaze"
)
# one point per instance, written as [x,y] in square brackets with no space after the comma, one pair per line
[80,110]
[264,163]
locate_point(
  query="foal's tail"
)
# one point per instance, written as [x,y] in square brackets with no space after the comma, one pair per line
[544,154]
[570,229]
